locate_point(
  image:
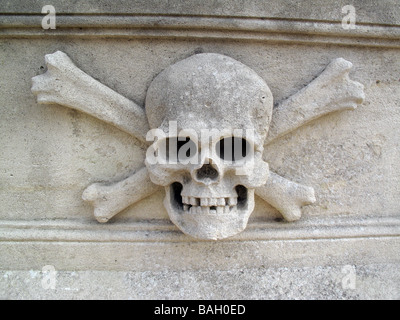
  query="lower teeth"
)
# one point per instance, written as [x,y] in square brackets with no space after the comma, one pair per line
[208,210]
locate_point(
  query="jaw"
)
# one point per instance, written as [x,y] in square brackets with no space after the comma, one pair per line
[209,218]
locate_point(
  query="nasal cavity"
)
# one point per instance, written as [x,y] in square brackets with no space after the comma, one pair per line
[207,171]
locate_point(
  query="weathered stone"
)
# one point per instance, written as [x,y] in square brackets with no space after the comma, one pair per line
[205,94]
[338,171]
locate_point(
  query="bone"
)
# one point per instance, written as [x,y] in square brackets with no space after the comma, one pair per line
[286,196]
[67,85]
[110,199]
[331,91]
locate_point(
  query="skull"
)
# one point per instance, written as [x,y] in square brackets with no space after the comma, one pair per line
[210,193]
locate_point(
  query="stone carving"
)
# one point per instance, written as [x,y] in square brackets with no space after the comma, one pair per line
[208,199]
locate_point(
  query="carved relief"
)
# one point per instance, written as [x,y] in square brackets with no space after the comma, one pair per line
[213,197]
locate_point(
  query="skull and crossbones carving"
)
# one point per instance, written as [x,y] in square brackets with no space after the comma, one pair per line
[206,199]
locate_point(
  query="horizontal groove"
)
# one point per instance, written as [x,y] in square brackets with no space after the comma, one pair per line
[139,26]
[201,22]
[165,231]
[182,15]
[162,35]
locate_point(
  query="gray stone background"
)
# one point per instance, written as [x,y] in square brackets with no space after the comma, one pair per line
[50,154]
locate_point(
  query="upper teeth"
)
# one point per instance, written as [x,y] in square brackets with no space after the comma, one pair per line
[209,205]
[209,202]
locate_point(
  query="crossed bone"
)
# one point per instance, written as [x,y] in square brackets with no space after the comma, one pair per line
[67,85]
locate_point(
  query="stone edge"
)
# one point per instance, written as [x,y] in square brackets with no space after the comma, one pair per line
[164,231]
[205,28]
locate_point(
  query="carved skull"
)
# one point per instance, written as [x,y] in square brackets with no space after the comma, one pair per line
[211,195]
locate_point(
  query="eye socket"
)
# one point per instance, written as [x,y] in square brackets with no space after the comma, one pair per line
[232,148]
[177,149]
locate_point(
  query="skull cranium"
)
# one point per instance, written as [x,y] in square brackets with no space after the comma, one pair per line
[207,198]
